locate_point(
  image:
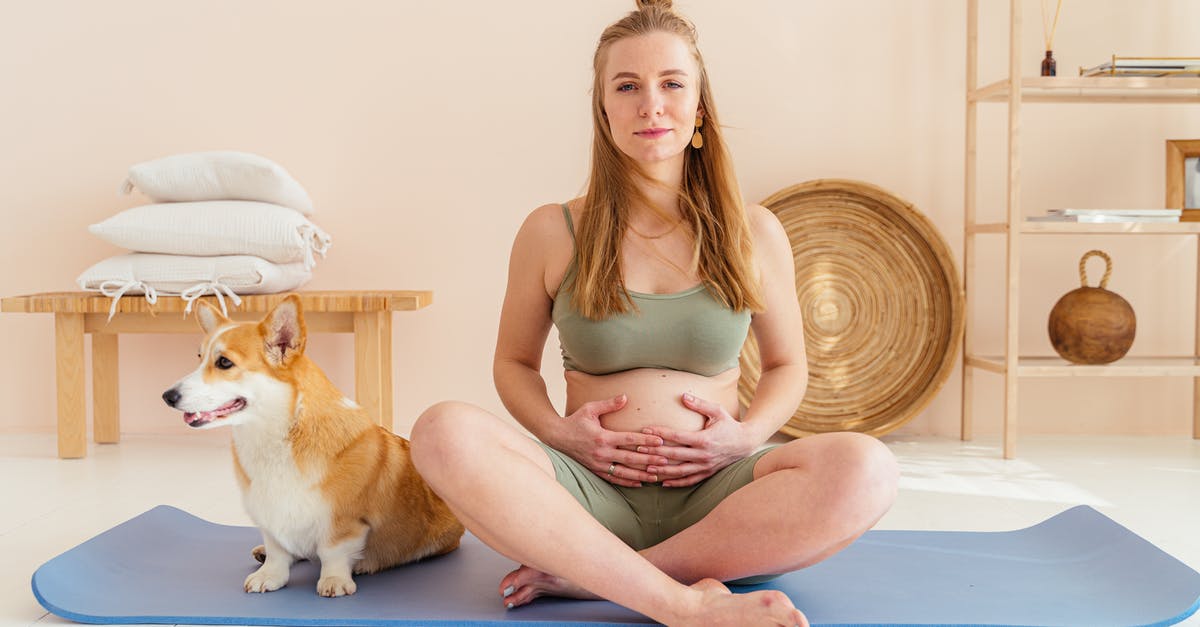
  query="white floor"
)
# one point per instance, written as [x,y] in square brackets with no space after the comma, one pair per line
[1150,485]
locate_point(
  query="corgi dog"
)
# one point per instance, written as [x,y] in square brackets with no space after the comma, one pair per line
[318,477]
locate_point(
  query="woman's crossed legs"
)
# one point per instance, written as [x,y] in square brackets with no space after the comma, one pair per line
[809,499]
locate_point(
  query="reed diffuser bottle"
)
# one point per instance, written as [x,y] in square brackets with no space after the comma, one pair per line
[1049,65]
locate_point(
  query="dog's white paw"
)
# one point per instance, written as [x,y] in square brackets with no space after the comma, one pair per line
[266,580]
[335,586]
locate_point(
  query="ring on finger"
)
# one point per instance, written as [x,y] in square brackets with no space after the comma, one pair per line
[612,467]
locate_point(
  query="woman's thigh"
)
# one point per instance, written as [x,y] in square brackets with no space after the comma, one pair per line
[613,506]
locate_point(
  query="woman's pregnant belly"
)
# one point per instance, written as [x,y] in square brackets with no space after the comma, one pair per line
[655,396]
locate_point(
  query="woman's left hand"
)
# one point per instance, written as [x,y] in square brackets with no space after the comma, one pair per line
[698,455]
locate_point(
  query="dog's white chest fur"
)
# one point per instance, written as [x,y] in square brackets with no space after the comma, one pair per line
[281,499]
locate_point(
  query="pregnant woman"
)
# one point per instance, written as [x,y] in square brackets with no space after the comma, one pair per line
[655,487]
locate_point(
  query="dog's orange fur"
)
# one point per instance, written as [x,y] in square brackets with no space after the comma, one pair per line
[368,476]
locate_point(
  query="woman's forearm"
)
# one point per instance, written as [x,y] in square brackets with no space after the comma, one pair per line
[779,392]
[523,392]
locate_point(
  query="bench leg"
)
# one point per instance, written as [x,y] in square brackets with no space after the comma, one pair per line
[385,370]
[368,380]
[72,418]
[106,414]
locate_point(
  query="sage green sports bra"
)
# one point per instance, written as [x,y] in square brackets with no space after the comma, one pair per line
[690,331]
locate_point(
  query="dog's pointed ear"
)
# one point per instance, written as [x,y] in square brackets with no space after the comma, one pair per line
[210,317]
[283,331]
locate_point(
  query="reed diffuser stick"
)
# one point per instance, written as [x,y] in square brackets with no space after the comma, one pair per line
[1048,29]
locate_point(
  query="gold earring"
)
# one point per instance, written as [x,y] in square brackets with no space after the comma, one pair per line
[697,138]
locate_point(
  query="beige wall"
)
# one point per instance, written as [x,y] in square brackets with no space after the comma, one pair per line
[424,138]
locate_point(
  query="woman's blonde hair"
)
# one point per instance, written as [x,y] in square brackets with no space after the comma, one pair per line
[709,199]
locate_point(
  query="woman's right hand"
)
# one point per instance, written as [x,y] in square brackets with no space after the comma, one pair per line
[612,455]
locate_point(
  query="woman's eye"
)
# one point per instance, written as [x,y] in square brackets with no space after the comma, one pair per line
[673,85]
[626,87]
[223,363]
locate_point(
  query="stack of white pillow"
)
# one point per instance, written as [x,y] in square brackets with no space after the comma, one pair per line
[222,223]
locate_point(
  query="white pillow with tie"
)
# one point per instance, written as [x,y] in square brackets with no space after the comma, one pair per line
[220,175]
[217,227]
[190,277]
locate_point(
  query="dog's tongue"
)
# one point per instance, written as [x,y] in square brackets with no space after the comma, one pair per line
[199,416]
[208,416]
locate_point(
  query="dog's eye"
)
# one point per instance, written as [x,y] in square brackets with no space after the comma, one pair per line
[223,363]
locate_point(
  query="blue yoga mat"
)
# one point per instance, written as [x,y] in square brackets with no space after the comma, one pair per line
[1077,568]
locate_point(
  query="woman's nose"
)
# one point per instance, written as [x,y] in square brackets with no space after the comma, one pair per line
[652,104]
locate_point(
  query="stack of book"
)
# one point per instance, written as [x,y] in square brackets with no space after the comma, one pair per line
[1145,66]
[1095,216]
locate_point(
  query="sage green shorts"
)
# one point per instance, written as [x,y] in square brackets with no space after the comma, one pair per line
[643,517]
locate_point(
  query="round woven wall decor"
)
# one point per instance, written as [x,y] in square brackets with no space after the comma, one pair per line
[882,305]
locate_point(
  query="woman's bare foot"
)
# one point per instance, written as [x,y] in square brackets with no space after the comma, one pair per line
[718,606]
[715,606]
[526,584]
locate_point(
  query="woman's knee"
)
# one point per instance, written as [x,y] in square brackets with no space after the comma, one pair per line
[877,463]
[441,431]
[858,465]
[863,461]
[870,479]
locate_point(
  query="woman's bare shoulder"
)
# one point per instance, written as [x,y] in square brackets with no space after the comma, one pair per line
[545,241]
[764,224]
[547,223]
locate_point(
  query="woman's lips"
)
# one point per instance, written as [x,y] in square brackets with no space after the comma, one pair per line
[653,133]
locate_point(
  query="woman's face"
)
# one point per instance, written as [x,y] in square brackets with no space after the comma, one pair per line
[651,96]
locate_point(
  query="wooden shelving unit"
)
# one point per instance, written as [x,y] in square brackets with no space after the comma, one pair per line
[1016,90]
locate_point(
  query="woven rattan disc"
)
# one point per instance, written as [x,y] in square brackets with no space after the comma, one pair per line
[882,306]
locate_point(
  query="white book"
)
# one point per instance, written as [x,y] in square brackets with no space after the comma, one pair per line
[1162,63]
[1101,219]
[1116,212]
[1158,62]
[1144,67]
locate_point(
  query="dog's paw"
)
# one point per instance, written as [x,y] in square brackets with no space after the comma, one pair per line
[335,586]
[259,553]
[263,580]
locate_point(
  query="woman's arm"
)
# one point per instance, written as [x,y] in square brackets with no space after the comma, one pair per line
[525,320]
[779,332]
[525,323]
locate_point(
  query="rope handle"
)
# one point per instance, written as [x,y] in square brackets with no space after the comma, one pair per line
[1083,267]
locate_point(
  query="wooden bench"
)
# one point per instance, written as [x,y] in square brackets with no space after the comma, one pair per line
[366,314]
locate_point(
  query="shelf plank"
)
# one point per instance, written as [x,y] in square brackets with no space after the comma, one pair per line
[1110,228]
[1083,228]
[1098,89]
[1149,366]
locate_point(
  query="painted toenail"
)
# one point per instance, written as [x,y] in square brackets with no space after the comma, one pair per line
[509,606]
[509,590]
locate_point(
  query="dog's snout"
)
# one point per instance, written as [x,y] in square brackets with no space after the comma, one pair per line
[171,396]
